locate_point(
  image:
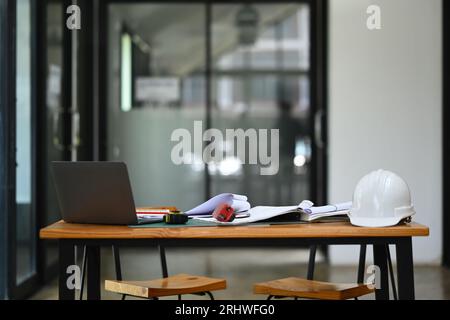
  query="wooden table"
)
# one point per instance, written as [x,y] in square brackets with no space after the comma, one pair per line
[341,233]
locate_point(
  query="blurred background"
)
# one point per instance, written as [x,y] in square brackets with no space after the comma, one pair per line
[347,100]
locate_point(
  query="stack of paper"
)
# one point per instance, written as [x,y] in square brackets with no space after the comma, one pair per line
[238,202]
[256,214]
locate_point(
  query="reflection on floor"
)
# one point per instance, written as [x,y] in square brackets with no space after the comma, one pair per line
[244,267]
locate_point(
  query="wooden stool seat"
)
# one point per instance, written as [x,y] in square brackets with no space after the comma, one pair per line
[309,289]
[174,285]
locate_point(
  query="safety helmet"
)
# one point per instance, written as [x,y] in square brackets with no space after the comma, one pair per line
[381,199]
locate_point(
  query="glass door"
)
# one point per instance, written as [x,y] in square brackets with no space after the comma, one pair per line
[174,70]
[261,84]
[64,113]
[156,91]
[53,118]
[65,116]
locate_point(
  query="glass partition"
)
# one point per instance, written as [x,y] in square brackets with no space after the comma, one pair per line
[257,62]
[156,85]
[261,81]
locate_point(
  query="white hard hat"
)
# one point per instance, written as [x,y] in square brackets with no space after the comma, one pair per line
[381,199]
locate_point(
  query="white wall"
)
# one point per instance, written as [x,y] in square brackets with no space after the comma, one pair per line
[385,107]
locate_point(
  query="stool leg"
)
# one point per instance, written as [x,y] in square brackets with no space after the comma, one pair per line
[362,263]
[162,254]
[312,262]
[117,265]
[380,260]
[391,272]
[83,272]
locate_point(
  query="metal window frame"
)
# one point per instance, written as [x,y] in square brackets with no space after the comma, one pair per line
[46,272]
[40,58]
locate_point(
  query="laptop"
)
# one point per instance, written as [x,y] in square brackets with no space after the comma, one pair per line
[97,193]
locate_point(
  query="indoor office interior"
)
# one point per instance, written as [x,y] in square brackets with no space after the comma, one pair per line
[115,84]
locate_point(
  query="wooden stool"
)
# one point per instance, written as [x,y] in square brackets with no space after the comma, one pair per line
[310,289]
[171,286]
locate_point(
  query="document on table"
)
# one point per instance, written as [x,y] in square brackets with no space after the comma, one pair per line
[310,213]
[306,209]
[238,202]
[256,214]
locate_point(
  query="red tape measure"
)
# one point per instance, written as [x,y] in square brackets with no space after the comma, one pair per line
[224,213]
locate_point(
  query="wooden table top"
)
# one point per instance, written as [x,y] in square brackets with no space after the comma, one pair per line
[63,230]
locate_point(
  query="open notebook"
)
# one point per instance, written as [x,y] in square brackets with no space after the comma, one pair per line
[310,213]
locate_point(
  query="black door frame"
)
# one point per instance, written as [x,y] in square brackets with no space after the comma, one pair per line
[47,271]
[7,142]
[319,101]
[446,132]
[39,13]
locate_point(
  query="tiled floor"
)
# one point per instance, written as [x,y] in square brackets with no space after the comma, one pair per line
[244,267]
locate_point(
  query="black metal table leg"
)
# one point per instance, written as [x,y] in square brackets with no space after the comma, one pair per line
[380,259]
[405,269]
[66,277]
[162,254]
[93,273]
[311,262]
[362,263]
